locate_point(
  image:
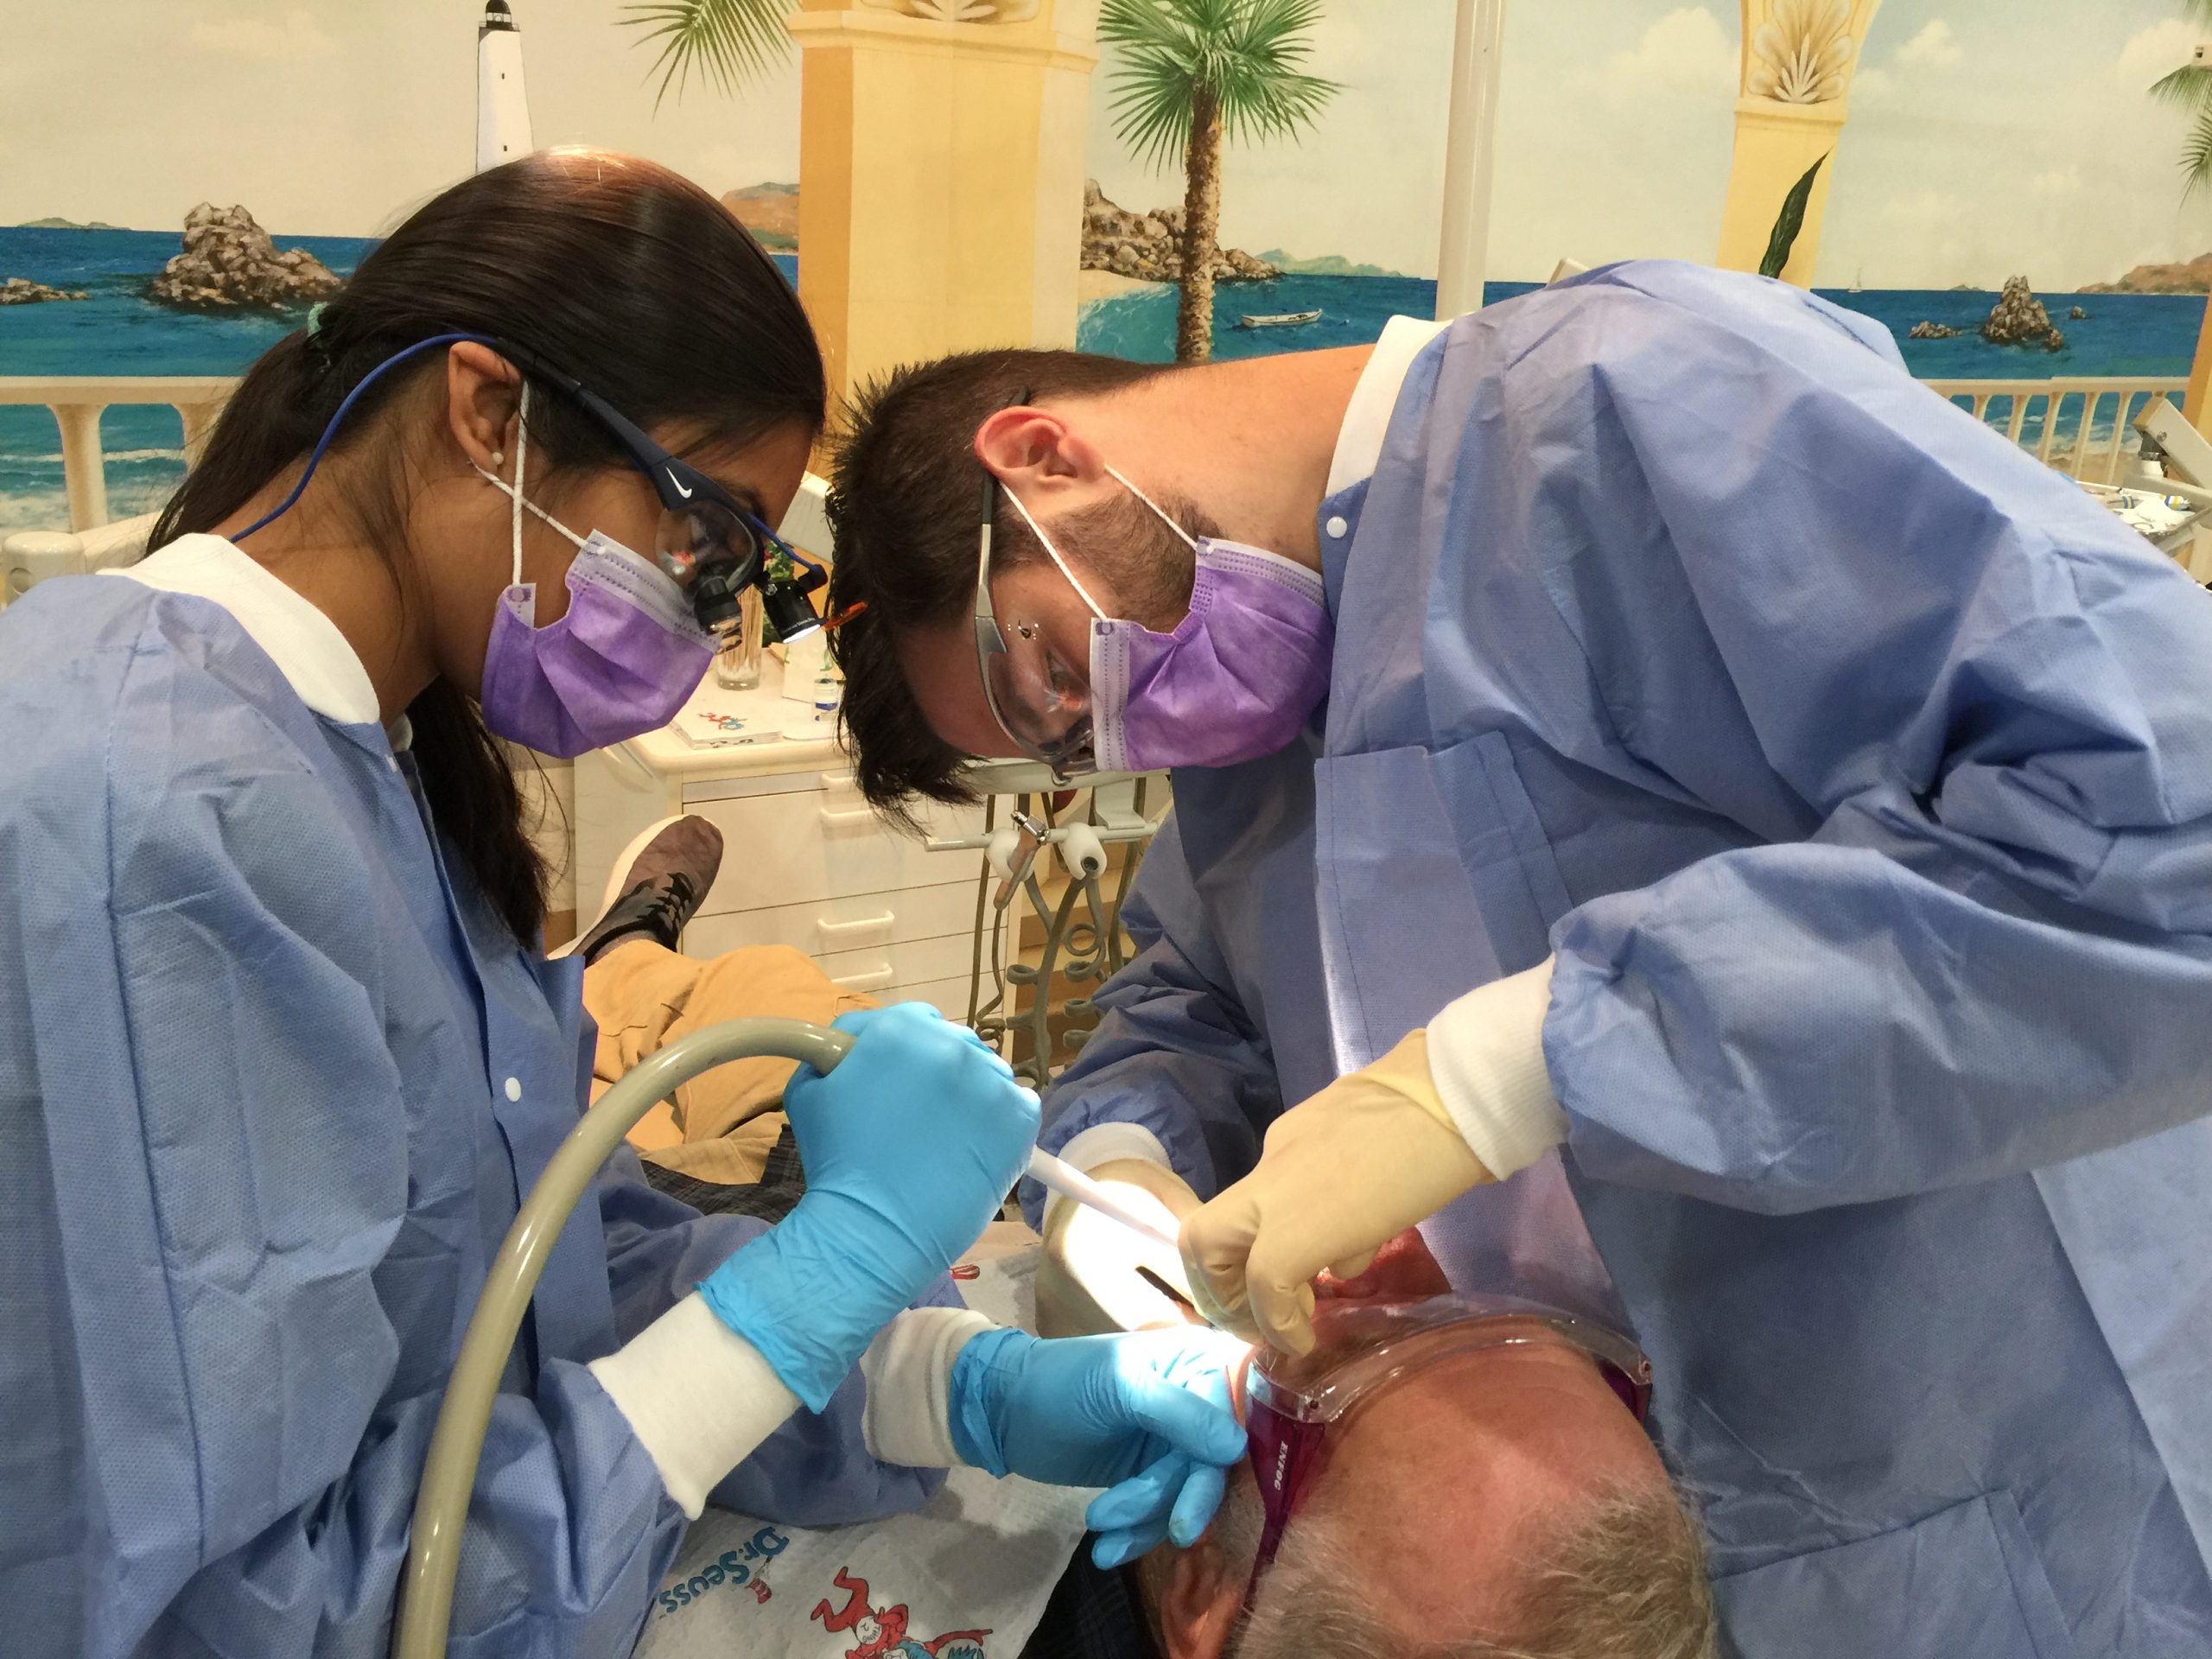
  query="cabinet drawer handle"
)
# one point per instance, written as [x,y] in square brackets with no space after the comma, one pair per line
[873,980]
[857,815]
[865,922]
[838,780]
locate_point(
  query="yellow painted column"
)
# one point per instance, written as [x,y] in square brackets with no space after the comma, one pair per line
[1798,58]
[941,167]
[2194,401]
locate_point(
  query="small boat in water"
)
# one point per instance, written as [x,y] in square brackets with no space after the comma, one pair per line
[1279,319]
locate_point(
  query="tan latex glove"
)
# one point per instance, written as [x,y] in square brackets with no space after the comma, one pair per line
[1088,1283]
[1342,1173]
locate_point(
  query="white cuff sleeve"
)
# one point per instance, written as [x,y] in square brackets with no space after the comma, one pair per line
[1105,1143]
[909,1372]
[699,1397]
[1486,1054]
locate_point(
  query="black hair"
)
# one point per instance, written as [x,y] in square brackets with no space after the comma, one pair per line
[905,505]
[615,270]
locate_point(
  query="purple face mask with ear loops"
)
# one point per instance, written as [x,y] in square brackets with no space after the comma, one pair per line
[1236,679]
[618,662]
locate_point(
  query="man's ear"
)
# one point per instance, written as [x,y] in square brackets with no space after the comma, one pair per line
[1199,1607]
[1034,451]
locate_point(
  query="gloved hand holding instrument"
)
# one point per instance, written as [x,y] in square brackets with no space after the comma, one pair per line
[910,1146]
[911,1132]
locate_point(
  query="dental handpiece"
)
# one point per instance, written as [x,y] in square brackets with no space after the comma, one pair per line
[1072,1183]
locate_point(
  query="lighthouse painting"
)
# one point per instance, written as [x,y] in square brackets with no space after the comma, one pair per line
[502,107]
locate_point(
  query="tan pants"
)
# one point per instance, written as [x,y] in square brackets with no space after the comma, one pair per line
[725,1121]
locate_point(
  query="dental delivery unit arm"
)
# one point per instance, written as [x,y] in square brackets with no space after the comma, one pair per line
[457,1442]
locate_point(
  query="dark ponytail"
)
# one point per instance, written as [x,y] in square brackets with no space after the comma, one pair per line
[623,274]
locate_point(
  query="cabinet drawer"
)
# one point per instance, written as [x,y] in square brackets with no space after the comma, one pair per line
[808,845]
[853,923]
[886,968]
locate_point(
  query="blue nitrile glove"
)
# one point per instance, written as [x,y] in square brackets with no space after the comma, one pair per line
[910,1145]
[1145,1414]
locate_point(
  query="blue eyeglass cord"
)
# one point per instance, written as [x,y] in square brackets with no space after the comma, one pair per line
[322,444]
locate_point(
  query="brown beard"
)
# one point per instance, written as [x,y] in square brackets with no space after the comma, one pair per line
[1145,565]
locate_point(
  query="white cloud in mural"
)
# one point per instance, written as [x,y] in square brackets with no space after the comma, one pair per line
[1688,50]
[258,40]
[1923,208]
[2158,51]
[336,119]
[1934,48]
[1613,144]
[2037,151]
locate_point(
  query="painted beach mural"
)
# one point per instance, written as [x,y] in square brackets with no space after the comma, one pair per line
[1964,168]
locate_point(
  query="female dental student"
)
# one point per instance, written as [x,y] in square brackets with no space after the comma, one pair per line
[279,1050]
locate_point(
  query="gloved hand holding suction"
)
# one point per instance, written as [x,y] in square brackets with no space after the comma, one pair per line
[910,1146]
[1145,1414]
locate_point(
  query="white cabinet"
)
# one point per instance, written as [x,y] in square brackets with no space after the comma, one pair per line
[805,861]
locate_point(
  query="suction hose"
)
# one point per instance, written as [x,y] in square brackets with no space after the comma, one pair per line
[457,1443]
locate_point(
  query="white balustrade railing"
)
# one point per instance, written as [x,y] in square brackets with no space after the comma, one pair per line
[77,403]
[2081,426]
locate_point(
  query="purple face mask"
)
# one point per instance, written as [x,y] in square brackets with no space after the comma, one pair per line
[620,662]
[1235,680]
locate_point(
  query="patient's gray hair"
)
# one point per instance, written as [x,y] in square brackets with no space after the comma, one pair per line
[1625,1580]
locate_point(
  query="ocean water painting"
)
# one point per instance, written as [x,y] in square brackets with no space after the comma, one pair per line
[119,330]
[2143,336]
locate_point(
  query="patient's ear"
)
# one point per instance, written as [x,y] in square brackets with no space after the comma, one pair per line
[1199,1606]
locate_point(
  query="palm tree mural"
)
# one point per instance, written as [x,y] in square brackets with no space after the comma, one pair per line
[2191,87]
[724,42]
[1196,73]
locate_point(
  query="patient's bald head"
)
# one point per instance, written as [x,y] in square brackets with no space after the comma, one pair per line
[1500,1501]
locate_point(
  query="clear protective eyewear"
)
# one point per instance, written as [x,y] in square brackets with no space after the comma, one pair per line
[1292,1401]
[1038,704]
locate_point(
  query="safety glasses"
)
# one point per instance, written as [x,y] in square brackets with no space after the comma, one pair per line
[1037,702]
[710,544]
[1293,1401]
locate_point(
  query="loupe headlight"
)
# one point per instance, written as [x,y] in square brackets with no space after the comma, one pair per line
[711,544]
[791,613]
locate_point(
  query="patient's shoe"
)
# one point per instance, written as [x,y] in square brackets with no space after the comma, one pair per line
[658,884]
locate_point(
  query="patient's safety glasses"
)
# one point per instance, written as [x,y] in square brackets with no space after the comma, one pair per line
[1292,1401]
[1037,701]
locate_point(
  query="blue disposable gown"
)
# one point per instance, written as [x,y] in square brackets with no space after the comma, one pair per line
[1858,770]
[272,1076]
